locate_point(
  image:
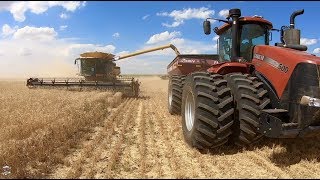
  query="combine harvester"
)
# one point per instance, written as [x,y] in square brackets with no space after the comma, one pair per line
[248,90]
[99,72]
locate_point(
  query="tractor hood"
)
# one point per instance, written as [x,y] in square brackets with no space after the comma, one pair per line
[288,69]
[287,56]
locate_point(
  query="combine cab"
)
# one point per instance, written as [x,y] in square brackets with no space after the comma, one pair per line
[99,72]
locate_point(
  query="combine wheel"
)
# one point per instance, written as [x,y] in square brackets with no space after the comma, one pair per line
[175,94]
[207,110]
[250,98]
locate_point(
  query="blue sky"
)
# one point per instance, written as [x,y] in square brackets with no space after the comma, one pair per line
[43,38]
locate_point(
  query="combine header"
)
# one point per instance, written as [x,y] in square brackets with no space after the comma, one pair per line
[99,72]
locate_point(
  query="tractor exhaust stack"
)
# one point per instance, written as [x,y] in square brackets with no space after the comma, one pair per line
[293,16]
[235,50]
[292,35]
[289,36]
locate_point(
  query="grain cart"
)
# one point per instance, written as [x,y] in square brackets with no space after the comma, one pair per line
[248,90]
[98,71]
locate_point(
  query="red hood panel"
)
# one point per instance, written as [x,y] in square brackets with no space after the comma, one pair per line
[277,64]
[286,54]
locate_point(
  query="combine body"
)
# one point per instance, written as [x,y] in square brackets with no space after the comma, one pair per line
[99,72]
[248,90]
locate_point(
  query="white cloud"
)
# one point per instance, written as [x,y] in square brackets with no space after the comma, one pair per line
[64,16]
[164,36]
[5,4]
[178,41]
[68,5]
[7,30]
[224,13]
[316,50]
[174,24]
[51,58]
[215,38]
[121,53]
[18,8]
[116,35]
[62,28]
[76,49]
[191,13]
[308,42]
[25,52]
[35,33]
[145,17]
[186,46]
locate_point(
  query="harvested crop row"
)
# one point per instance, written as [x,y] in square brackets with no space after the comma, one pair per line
[183,154]
[80,162]
[129,163]
[40,127]
[153,168]
[167,142]
[142,143]
[119,145]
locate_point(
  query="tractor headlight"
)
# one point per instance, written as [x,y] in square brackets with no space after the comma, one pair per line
[310,101]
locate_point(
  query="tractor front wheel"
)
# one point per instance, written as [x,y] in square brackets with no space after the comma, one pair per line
[250,98]
[207,110]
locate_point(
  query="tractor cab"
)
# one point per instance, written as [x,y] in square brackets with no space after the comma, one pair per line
[253,31]
[249,32]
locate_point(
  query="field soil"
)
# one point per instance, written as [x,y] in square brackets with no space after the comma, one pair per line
[136,138]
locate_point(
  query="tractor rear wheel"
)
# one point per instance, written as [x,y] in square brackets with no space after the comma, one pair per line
[207,110]
[175,93]
[250,98]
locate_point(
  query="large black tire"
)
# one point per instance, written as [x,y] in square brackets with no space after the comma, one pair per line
[175,93]
[210,102]
[250,98]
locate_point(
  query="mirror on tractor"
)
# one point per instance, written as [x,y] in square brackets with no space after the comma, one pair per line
[206,27]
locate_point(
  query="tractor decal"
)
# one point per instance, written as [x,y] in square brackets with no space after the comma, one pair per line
[272,62]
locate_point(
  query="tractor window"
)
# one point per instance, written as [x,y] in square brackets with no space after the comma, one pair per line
[225,44]
[251,35]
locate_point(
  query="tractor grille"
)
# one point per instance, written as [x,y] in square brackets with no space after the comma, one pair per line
[304,81]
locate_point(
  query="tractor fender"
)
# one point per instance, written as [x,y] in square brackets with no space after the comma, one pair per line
[231,67]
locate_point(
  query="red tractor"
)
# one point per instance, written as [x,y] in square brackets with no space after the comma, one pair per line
[248,90]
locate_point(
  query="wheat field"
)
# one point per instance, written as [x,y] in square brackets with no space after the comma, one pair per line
[66,134]
[40,127]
